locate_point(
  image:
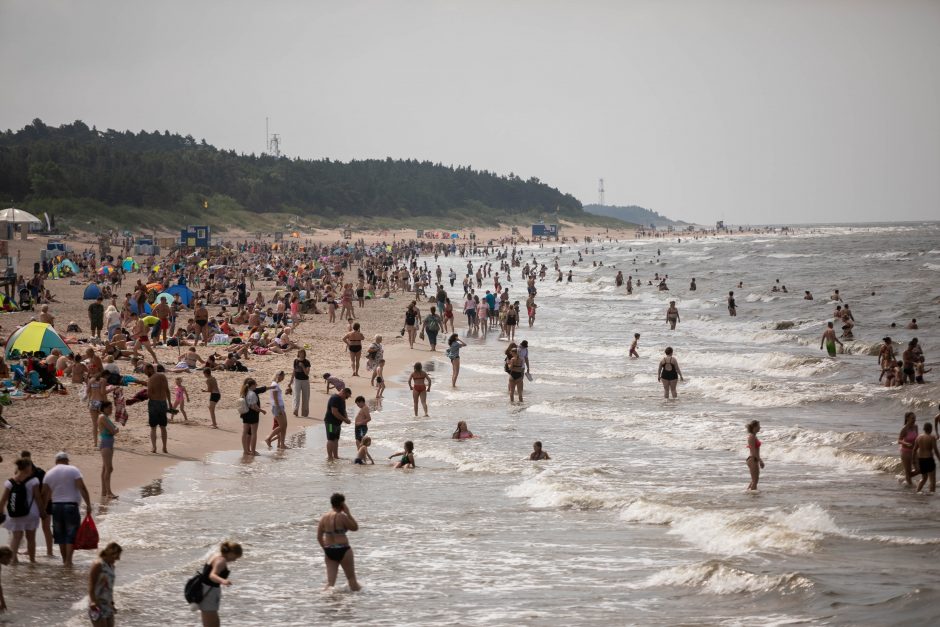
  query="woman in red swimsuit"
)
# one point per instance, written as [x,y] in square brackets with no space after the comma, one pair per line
[754,462]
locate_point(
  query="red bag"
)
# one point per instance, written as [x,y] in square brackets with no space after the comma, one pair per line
[87,537]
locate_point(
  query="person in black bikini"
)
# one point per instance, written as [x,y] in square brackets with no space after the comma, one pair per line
[516,369]
[668,373]
[331,534]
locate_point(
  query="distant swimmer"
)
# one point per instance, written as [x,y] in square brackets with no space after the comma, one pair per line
[619,279]
[925,448]
[732,307]
[669,373]
[830,340]
[538,453]
[835,296]
[636,340]
[807,295]
[912,325]
[672,315]
[692,286]
[754,462]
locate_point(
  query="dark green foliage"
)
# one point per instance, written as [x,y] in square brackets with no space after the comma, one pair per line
[116,177]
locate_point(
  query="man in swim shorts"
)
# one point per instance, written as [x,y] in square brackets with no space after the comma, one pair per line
[158,404]
[333,421]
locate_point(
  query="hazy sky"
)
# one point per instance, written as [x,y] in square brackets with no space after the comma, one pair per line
[749,111]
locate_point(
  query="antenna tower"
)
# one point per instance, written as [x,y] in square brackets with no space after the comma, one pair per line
[272,142]
[600,191]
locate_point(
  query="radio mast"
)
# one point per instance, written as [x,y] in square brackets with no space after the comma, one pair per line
[600,191]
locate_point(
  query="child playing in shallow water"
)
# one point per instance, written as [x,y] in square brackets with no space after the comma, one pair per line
[379,379]
[363,453]
[407,456]
[633,353]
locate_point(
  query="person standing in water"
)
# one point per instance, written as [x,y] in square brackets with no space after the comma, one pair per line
[830,340]
[732,307]
[668,373]
[906,440]
[101,586]
[754,462]
[215,574]
[636,340]
[925,448]
[672,315]
[331,535]
[454,344]
[420,384]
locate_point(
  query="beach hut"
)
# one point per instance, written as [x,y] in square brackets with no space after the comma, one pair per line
[35,337]
[129,265]
[92,292]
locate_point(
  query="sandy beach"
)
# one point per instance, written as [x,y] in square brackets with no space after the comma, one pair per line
[45,424]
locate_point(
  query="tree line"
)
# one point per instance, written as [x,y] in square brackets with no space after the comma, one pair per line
[161,170]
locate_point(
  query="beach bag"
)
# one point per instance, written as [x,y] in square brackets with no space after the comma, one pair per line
[87,537]
[192,591]
[243,407]
[18,505]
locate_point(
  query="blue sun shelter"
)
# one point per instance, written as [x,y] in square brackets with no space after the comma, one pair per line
[92,292]
[186,295]
[134,308]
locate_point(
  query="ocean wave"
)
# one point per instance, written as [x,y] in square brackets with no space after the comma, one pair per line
[932,266]
[764,298]
[752,392]
[713,577]
[545,491]
[773,363]
[791,255]
[891,254]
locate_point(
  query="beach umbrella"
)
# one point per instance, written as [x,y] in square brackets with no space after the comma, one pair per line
[454,235]
[18,216]
[130,265]
[105,270]
[34,337]
[92,292]
[166,295]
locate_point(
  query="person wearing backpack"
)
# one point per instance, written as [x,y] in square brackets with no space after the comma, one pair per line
[22,502]
[431,327]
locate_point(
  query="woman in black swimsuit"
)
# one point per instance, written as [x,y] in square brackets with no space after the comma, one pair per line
[516,369]
[669,373]
[331,534]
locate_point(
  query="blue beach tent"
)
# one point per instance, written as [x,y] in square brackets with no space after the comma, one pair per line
[92,292]
[134,307]
[186,295]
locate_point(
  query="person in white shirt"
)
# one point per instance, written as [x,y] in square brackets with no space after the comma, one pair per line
[279,411]
[62,487]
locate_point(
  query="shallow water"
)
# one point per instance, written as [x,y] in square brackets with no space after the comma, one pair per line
[641,516]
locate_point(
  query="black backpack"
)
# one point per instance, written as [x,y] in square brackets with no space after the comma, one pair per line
[192,591]
[19,503]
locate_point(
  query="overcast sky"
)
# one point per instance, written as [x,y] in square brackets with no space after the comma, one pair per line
[747,111]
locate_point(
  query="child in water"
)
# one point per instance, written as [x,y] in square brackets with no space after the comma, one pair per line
[407,456]
[379,379]
[363,453]
[633,353]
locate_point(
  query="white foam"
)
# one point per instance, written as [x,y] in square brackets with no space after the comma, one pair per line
[716,578]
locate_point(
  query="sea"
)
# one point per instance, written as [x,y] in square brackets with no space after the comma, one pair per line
[641,516]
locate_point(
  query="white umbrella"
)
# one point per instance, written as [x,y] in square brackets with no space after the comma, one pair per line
[18,216]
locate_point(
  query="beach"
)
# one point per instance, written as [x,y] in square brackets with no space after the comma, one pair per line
[641,514]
